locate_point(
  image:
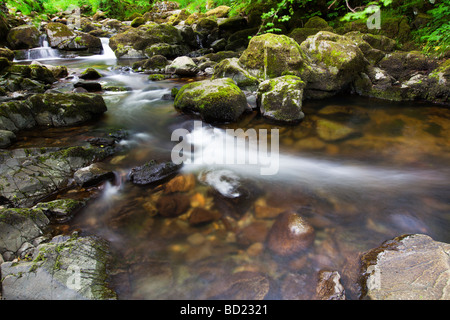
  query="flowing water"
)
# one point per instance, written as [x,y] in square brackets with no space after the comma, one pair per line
[386,176]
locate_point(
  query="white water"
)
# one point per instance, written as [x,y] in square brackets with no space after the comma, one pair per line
[294,169]
[108,53]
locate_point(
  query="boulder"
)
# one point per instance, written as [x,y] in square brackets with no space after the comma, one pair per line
[170,51]
[90,74]
[409,267]
[23,37]
[230,68]
[6,138]
[403,65]
[281,98]
[270,56]
[60,210]
[58,33]
[219,12]
[183,66]
[92,175]
[156,63]
[218,100]
[66,268]
[153,172]
[336,60]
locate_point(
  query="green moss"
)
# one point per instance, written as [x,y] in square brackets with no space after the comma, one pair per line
[156,77]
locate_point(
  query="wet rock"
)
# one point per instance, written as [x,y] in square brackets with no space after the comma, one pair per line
[18,226]
[181,183]
[153,172]
[89,86]
[90,74]
[57,33]
[173,205]
[290,234]
[253,233]
[200,216]
[61,210]
[28,175]
[403,65]
[267,212]
[408,267]
[333,131]
[244,285]
[101,142]
[156,63]
[296,287]
[218,100]
[6,138]
[66,268]
[183,66]
[23,37]
[92,175]
[329,286]
[281,98]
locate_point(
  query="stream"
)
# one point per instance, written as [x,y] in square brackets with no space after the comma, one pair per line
[388,178]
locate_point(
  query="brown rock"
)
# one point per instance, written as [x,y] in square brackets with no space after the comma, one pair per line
[200,216]
[173,205]
[181,183]
[296,287]
[329,286]
[266,212]
[244,285]
[290,234]
[255,232]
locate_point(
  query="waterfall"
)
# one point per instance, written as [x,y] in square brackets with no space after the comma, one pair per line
[44,52]
[108,53]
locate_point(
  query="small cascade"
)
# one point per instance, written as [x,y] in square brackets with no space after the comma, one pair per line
[44,52]
[108,53]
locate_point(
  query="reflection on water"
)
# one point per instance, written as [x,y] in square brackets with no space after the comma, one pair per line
[360,171]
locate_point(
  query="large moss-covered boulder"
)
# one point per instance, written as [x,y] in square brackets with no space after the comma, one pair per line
[402,65]
[23,37]
[218,100]
[337,61]
[64,109]
[270,56]
[230,68]
[281,98]
[83,41]
[183,66]
[57,33]
[134,41]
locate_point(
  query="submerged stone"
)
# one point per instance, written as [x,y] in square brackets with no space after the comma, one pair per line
[153,172]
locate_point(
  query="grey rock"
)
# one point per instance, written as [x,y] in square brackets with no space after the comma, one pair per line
[67,268]
[411,267]
[6,138]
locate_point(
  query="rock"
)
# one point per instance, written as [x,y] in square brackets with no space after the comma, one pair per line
[183,66]
[200,216]
[219,12]
[4,63]
[58,33]
[173,205]
[6,138]
[333,131]
[337,62]
[290,234]
[218,100]
[181,183]
[409,267]
[232,24]
[170,51]
[255,232]
[92,175]
[64,109]
[61,210]
[230,68]
[23,37]
[270,56]
[133,42]
[18,226]
[83,41]
[301,34]
[244,285]
[67,268]
[329,286]
[28,175]
[7,53]
[156,63]
[41,74]
[318,23]
[439,80]
[403,65]
[90,74]
[281,98]
[138,21]
[153,172]
[90,86]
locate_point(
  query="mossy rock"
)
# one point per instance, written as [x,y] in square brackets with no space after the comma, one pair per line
[90,74]
[337,61]
[23,37]
[402,65]
[7,53]
[270,56]
[301,34]
[230,68]
[169,51]
[218,100]
[219,12]
[157,77]
[317,22]
[155,63]
[138,21]
[281,98]
[58,33]
[194,17]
